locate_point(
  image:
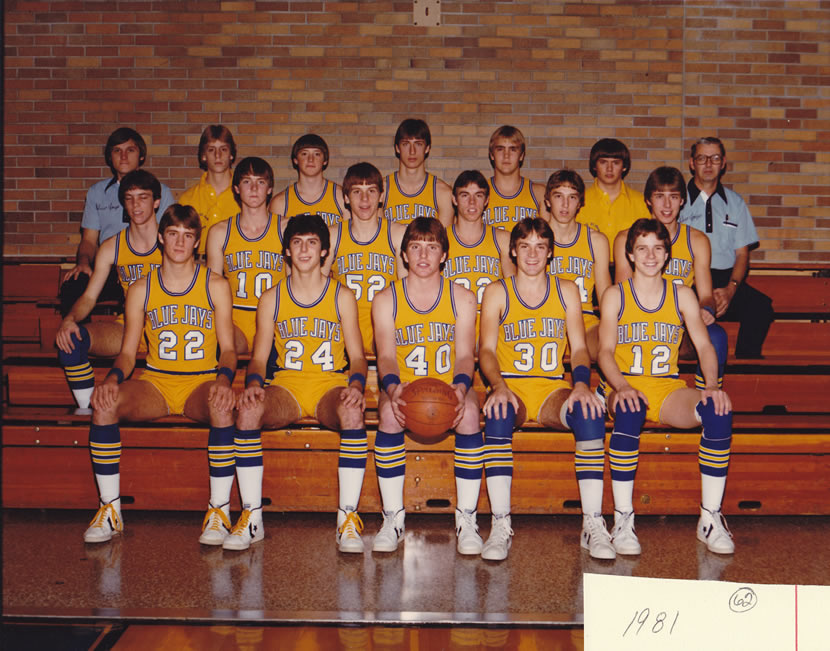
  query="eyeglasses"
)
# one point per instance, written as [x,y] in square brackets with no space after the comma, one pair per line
[715,159]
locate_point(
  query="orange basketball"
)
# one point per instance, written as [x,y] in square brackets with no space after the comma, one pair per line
[429,409]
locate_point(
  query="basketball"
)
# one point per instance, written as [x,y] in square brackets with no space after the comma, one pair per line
[429,409]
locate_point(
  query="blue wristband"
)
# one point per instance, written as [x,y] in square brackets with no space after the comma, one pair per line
[118,373]
[228,373]
[710,310]
[254,377]
[581,374]
[463,378]
[388,380]
[359,377]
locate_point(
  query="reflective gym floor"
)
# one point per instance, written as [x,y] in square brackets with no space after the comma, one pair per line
[294,590]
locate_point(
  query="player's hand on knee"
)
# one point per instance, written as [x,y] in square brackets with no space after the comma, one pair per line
[353,397]
[63,339]
[395,401]
[720,399]
[221,397]
[628,398]
[587,400]
[707,316]
[461,394]
[496,404]
[105,396]
[250,398]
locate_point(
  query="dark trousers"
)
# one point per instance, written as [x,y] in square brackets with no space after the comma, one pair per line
[73,288]
[749,307]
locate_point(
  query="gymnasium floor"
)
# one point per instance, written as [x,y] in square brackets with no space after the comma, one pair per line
[158,573]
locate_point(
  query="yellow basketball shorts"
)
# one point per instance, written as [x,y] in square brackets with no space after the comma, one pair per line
[176,388]
[656,390]
[245,320]
[533,391]
[308,389]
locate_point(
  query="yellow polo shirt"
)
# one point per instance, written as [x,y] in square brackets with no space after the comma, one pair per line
[212,208]
[611,218]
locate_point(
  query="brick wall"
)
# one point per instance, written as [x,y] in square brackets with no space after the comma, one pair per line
[655,75]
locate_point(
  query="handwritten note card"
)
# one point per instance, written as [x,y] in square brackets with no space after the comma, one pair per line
[624,613]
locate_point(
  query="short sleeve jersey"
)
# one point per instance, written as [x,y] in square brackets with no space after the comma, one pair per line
[648,340]
[325,205]
[681,268]
[507,211]
[308,337]
[365,268]
[575,261]
[425,339]
[403,208]
[474,266]
[130,265]
[180,327]
[532,338]
[252,265]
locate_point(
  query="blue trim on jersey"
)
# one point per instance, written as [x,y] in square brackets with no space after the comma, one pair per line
[207,290]
[356,241]
[544,299]
[506,301]
[242,234]
[394,300]
[244,308]
[674,287]
[469,246]
[337,287]
[391,244]
[573,241]
[277,300]
[163,372]
[521,187]
[662,299]
[513,376]
[304,305]
[559,291]
[130,246]
[496,242]
[452,301]
[303,201]
[189,287]
[412,196]
[434,305]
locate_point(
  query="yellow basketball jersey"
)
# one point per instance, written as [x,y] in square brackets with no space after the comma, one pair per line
[575,261]
[474,266]
[425,340]
[132,265]
[179,327]
[532,338]
[325,205]
[506,212]
[648,340]
[252,265]
[308,337]
[681,267]
[365,268]
[403,208]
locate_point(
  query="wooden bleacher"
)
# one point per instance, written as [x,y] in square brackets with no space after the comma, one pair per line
[780,454]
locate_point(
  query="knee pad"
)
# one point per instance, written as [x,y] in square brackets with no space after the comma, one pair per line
[80,350]
[501,427]
[630,422]
[585,428]
[714,426]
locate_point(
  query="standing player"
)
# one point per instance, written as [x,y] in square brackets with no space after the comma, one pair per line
[527,321]
[512,196]
[611,205]
[479,253]
[580,254]
[366,248]
[312,193]
[312,320]
[185,312]
[665,194]
[134,253]
[246,249]
[425,327]
[411,191]
[641,326]
[213,196]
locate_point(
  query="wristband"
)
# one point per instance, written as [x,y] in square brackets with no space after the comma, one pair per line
[254,377]
[710,310]
[359,377]
[463,378]
[118,373]
[581,374]
[389,379]
[228,373]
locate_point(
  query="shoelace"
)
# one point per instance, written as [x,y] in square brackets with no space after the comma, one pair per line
[624,523]
[352,525]
[467,521]
[502,532]
[215,525]
[101,517]
[595,528]
[718,523]
[240,527]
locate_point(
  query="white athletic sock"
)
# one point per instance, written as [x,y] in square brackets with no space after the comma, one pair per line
[590,494]
[391,493]
[220,491]
[83,396]
[623,495]
[109,488]
[467,491]
[250,486]
[351,483]
[498,492]
[711,492]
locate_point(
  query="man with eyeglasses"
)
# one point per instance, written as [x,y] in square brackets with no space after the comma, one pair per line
[723,215]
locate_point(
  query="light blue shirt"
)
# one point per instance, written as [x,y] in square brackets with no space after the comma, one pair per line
[105,214]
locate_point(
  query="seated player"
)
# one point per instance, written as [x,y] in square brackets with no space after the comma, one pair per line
[366,248]
[213,196]
[479,254]
[641,326]
[134,253]
[425,327]
[580,253]
[527,321]
[411,191]
[312,320]
[512,196]
[247,248]
[665,194]
[184,311]
[312,193]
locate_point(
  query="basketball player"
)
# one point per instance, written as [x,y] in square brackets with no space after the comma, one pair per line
[527,321]
[246,249]
[185,312]
[479,254]
[312,320]
[641,326]
[665,194]
[134,253]
[580,254]
[212,196]
[411,191]
[366,248]
[512,196]
[312,193]
[425,327]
